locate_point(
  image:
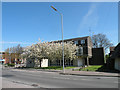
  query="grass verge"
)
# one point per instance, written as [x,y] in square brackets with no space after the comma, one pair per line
[55,67]
[90,68]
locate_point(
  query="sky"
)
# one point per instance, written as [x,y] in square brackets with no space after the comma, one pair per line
[25,23]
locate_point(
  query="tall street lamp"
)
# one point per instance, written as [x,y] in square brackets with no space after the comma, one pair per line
[62,34]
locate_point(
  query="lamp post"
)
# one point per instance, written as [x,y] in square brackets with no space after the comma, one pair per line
[62,34]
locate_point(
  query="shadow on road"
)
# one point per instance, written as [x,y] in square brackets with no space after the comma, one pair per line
[7,75]
[104,68]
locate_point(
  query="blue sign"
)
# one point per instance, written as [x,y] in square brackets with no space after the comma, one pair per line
[2,59]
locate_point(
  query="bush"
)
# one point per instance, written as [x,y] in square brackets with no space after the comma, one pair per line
[11,65]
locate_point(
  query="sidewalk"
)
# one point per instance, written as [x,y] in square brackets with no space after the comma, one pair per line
[89,73]
[12,84]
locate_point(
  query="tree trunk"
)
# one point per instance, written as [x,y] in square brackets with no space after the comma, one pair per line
[40,62]
[70,62]
[49,62]
[87,61]
[60,62]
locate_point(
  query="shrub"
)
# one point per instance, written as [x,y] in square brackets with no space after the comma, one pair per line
[11,65]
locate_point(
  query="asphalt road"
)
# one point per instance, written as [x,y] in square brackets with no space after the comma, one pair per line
[43,79]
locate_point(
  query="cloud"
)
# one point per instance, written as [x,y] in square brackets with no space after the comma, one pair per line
[89,13]
[4,42]
[90,19]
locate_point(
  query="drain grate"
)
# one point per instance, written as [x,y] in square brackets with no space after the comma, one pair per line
[35,85]
[98,78]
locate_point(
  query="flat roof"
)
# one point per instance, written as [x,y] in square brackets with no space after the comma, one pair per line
[72,39]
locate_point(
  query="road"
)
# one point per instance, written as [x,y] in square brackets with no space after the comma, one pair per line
[44,79]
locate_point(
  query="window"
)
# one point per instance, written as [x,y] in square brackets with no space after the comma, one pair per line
[76,42]
[80,51]
[82,41]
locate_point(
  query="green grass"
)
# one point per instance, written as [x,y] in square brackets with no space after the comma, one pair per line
[90,68]
[50,67]
[55,67]
[69,67]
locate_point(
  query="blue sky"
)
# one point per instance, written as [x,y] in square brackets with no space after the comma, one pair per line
[24,23]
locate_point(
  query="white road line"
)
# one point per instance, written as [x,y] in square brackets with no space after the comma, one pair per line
[75,79]
[82,79]
[107,77]
[60,78]
[115,82]
[86,79]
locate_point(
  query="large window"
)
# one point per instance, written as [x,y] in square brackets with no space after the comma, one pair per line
[76,42]
[80,51]
[82,41]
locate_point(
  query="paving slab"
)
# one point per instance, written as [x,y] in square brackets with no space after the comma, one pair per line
[12,84]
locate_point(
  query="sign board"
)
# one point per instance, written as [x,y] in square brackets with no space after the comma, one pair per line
[2,59]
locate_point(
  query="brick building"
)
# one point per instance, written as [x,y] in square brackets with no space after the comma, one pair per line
[9,57]
[87,55]
[84,51]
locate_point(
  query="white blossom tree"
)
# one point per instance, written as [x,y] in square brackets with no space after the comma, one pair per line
[50,50]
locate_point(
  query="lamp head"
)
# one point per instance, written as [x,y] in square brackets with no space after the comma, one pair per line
[53,8]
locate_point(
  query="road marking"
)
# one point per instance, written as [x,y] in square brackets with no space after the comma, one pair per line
[115,82]
[75,79]
[60,78]
[86,79]
[107,77]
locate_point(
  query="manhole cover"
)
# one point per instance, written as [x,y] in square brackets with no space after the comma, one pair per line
[35,85]
[98,78]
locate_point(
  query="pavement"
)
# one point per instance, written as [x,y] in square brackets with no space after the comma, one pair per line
[89,73]
[14,84]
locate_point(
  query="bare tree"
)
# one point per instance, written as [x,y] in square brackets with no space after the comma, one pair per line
[7,55]
[13,52]
[18,50]
[100,40]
